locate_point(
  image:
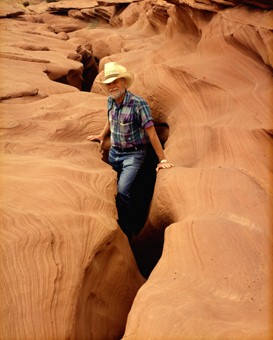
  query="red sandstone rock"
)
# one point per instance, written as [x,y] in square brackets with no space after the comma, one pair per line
[67,271]
[66,267]
[11,9]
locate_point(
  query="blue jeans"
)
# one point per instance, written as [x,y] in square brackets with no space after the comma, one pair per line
[127,166]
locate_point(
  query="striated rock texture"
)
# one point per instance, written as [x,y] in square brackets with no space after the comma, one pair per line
[67,270]
[62,253]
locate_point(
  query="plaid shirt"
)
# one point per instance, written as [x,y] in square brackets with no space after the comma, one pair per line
[129,120]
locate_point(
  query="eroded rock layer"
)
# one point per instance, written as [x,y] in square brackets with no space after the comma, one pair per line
[67,270]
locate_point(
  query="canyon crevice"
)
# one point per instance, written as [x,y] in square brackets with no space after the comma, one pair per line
[200,267]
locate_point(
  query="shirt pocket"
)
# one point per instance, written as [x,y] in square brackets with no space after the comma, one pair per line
[126,119]
[126,128]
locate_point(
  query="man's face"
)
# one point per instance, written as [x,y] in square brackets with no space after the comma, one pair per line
[117,89]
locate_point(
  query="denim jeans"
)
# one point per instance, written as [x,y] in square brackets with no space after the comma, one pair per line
[127,166]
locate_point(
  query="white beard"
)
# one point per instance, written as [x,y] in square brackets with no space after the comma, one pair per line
[116,93]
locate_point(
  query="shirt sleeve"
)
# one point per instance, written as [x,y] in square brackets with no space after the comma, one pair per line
[145,114]
[148,124]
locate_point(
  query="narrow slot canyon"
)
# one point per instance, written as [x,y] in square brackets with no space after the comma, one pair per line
[200,262]
[146,249]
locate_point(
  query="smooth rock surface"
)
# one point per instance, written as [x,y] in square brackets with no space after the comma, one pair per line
[67,270]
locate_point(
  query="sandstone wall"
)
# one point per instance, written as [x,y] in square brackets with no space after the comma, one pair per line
[67,270]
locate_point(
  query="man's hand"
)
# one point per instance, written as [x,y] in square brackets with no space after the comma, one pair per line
[93,138]
[165,165]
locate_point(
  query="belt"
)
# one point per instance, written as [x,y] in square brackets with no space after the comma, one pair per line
[133,148]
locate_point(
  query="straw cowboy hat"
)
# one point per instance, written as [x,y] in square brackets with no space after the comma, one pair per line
[113,71]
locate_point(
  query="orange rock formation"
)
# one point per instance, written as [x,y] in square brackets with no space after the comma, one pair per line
[67,270]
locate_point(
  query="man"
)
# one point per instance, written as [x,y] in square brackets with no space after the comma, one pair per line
[131,128]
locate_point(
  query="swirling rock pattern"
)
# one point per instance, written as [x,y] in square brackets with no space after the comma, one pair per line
[67,270]
[61,248]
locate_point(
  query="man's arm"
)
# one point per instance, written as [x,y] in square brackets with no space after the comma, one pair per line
[163,163]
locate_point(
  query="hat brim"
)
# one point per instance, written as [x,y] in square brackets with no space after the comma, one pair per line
[127,75]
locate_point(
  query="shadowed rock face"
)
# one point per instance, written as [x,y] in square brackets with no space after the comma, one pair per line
[67,270]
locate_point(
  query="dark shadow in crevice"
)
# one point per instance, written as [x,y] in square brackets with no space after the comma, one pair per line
[90,67]
[147,249]
[84,80]
[120,8]
[142,190]
[147,246]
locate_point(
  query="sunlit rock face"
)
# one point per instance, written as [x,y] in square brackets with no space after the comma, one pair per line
[67,270]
